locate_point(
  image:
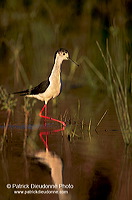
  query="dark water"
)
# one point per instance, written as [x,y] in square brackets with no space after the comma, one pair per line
[76,163]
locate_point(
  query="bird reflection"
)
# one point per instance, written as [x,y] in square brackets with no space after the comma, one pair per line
[53,161]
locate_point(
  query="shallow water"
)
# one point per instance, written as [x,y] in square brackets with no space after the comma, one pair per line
[81,164]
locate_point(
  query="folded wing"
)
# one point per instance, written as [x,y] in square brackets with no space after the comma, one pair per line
[35,90]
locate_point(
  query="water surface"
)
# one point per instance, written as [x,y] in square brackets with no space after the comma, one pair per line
[75,162]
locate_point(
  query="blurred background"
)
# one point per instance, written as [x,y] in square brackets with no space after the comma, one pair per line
[31,31]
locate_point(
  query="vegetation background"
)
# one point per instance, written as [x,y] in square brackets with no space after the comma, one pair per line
[31,31]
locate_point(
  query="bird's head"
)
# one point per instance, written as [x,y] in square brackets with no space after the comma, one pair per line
[63,54]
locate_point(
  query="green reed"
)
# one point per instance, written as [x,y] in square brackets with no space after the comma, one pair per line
[8,103]
[19,71]
[118,87]
[102,117]
[27,107]
[73,67]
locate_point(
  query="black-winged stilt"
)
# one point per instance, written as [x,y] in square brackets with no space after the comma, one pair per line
[50,88]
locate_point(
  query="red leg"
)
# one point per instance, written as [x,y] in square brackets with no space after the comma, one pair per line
[58,130]
[44,108]
[45,117]
[44,141]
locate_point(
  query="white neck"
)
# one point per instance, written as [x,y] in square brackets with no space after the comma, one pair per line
[56,69]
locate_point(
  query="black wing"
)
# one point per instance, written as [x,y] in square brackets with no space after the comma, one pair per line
[35,90]
[40,88]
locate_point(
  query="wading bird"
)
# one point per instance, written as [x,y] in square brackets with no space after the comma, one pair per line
[50,88]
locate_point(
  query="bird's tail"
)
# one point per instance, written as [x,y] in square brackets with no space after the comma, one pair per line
[22,93]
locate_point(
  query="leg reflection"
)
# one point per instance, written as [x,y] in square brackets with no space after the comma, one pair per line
[46,133]
[53,161]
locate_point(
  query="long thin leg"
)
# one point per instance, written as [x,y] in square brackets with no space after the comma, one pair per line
[44,108]
[44,141]
[46,117]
